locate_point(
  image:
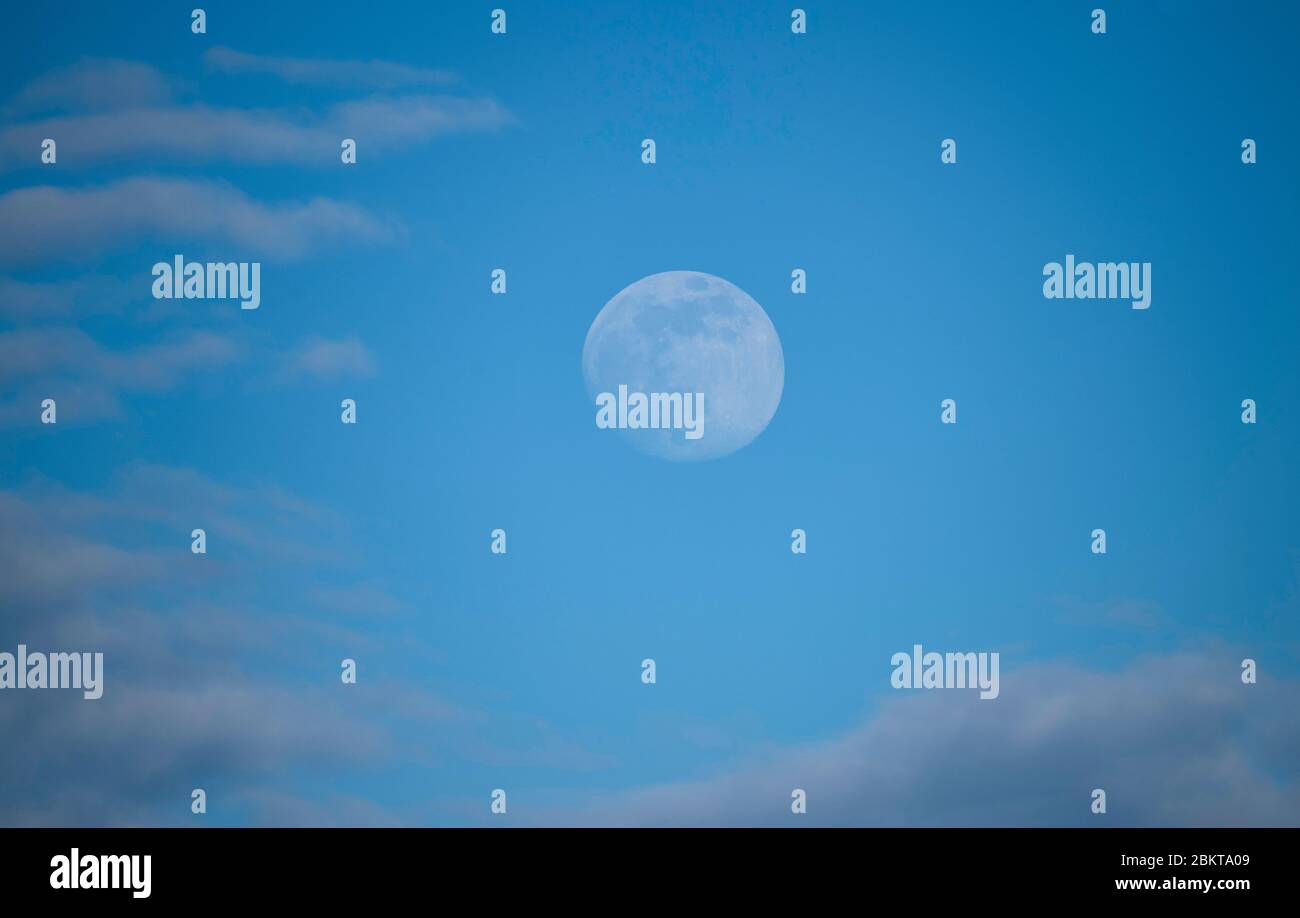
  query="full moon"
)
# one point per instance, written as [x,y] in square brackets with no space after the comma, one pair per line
[687,332]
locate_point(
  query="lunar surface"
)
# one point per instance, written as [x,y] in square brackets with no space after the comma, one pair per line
[687,332]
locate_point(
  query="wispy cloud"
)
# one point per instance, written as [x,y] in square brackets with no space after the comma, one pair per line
[1173,740]
[87,378]
[217,675]
[1124,612]
[199,133]
[92,294]
[387,121]
[48,567]
[205,682]
[49,224]
[285,810]
[92,84]
[357,600]
[114,111]
[64,350]
[369,74]
[323,358]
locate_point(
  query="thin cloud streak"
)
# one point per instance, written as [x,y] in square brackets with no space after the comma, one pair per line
[368,74]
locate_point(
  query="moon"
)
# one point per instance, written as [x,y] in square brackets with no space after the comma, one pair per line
[688,332]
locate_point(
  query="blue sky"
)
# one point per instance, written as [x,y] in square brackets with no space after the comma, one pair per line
[521,671]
